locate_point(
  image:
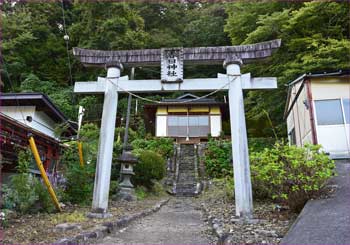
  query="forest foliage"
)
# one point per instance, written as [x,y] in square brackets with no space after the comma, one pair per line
[315,37]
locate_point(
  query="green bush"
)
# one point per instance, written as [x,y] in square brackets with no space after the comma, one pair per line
[25,192]
[217,158]
[141,192]
[89,135]
[162,146]
[113,187]
[79,180]
[290,174]
[80,183]
[44,197]
[22,195]
[151,166]
[158,188]
[259,144]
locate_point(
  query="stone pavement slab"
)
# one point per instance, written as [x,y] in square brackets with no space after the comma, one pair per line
[178,222]
[325,221]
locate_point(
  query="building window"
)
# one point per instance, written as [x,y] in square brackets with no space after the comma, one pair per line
[346,105]
[177,126]
[192,126]
[329,112]
[198,126]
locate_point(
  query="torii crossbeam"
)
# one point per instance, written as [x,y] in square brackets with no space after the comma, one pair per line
[233,81]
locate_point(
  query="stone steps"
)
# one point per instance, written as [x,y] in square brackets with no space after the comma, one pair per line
[186,182]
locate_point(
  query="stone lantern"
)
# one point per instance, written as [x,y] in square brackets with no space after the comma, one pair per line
[126,189]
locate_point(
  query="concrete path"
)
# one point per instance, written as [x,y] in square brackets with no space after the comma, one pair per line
[325,221]
[178,222]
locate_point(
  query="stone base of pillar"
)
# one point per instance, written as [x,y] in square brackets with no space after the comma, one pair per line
[95,214]
[127,194]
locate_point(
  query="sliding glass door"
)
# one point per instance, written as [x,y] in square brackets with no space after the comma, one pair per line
[332,119]
[188,126]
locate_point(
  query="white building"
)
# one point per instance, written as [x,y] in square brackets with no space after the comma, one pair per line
[186,117]
[318,111]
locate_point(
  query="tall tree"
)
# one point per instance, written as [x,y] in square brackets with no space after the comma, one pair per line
[315,37]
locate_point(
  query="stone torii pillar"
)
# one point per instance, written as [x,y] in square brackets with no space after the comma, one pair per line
[234,82]
[240,156]
[105,146]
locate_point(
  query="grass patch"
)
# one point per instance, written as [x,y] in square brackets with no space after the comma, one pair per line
[74,217]
[141,192]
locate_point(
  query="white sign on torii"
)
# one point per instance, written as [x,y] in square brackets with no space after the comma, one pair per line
[233,81]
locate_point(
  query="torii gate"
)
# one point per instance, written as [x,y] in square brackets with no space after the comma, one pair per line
[171,61]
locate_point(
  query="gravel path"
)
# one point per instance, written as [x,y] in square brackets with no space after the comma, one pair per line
[178,222]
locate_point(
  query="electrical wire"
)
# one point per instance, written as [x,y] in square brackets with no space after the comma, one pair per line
[66,38]
[149,69]
[176,102]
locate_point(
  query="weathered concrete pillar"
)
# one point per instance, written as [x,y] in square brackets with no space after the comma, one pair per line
[240,156]
[105,148]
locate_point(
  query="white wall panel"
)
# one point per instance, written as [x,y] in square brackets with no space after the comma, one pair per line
[161,126]
[43,123]
[215,125]
[330,89]
[19,113]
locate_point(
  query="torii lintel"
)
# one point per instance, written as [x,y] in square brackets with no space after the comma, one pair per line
[123,84]
[196,55]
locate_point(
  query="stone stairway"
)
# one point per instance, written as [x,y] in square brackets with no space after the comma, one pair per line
[186,181]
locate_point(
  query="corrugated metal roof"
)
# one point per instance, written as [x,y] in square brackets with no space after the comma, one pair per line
[320,74]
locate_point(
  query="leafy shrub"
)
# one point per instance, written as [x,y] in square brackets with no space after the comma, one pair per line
[90,137]
[141,192]
[24,158]
[151,166]
[290,174]
[162,146]
[22,196]
[44,197]
[6,201]
[79,180]
[217,158]
[259,144]
[158,188]
[113,187]
[25,192]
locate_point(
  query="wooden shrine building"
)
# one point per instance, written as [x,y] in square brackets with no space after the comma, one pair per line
[185,118]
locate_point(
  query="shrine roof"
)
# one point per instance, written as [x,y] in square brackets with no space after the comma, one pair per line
[189,99]
[195,55]
[186,100]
